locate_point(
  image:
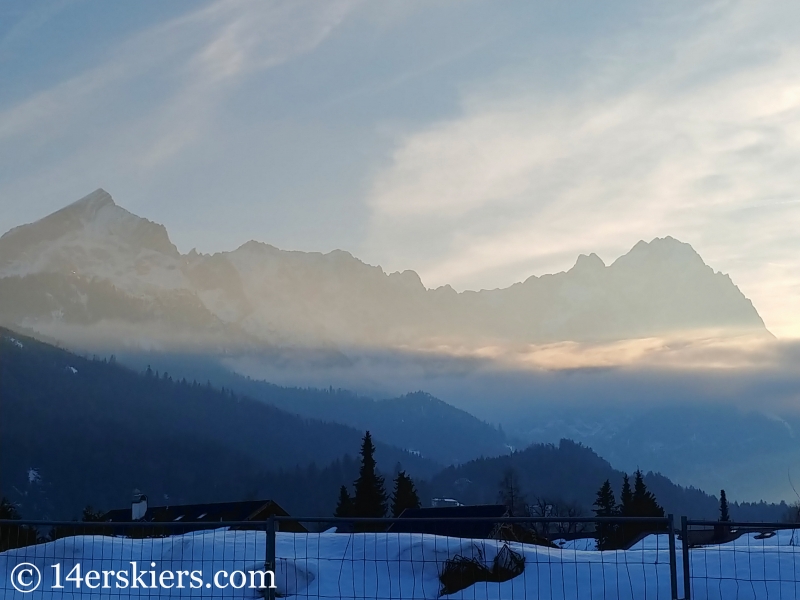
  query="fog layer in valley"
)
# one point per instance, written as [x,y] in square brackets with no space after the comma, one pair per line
[654,360]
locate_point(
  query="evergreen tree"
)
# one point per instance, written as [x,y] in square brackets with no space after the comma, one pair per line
[724,515]
[605,506]
[405,494]
[370,497]
[626,497]
[637,503]
[644,503]
[625,531]
[344,507]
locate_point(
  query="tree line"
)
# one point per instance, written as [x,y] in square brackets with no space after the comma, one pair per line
[636,501]
[370,498]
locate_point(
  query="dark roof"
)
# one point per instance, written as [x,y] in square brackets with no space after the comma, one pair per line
[453,523]
[252,510]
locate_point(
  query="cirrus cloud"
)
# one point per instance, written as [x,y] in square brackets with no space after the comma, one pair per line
[698,142]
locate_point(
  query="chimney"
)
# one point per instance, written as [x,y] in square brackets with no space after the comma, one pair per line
[138,506]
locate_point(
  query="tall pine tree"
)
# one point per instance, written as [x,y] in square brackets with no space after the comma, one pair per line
[644,503]
[370,498]
[724,515]
[640,502]
[605,506]
[722,529]
[625,531]
[405,494]
[626,497]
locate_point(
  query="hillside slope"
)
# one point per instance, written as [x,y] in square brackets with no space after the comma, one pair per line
[570,473]
[417,422]
[76,431]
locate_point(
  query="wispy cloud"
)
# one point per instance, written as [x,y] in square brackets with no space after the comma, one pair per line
[698,145]
[667,119]
[157,92]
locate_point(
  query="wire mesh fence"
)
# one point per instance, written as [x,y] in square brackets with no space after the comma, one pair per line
[510,560]
[338,558]
[740,560]
[123,560]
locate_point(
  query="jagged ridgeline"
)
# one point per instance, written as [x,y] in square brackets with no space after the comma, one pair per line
[96,278]
[109,274]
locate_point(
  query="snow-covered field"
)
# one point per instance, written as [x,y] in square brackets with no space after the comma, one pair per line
[405,566]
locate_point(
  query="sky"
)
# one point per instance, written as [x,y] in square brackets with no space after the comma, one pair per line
[476,142]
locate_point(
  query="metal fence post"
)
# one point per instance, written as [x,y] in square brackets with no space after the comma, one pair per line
[673,560]
[271,561]
[687,575]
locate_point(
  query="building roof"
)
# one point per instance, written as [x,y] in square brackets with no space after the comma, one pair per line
[452,523]
[252,510]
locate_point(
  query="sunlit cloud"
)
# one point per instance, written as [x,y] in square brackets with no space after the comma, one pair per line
[700,147]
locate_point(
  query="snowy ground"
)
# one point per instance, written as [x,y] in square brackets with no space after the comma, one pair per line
[406,566]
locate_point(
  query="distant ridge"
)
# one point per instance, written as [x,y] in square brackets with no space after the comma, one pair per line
[77,431]
[93,430]
[95,264]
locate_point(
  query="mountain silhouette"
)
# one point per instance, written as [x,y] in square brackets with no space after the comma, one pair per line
[93,269]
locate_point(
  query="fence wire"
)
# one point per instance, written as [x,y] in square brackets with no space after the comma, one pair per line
[389,559]
[741,560]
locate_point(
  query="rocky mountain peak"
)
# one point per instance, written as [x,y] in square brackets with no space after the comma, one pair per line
[91,203]
[661,252]
[94,220]
[658,288]
[588,264]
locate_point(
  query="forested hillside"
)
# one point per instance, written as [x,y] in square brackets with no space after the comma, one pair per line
[77,431]
[417,422]
[569,475]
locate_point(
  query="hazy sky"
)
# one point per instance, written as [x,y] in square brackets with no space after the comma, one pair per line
[475,142]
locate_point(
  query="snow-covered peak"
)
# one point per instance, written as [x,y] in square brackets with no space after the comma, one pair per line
[93,216]
[72,217]
[92,237]
[91,203]
[313,298]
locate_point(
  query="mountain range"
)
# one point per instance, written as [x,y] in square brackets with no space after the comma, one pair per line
[98,279]
[80,431]
[93,271]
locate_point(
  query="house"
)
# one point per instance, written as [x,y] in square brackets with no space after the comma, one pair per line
[202,516]
[452,521]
